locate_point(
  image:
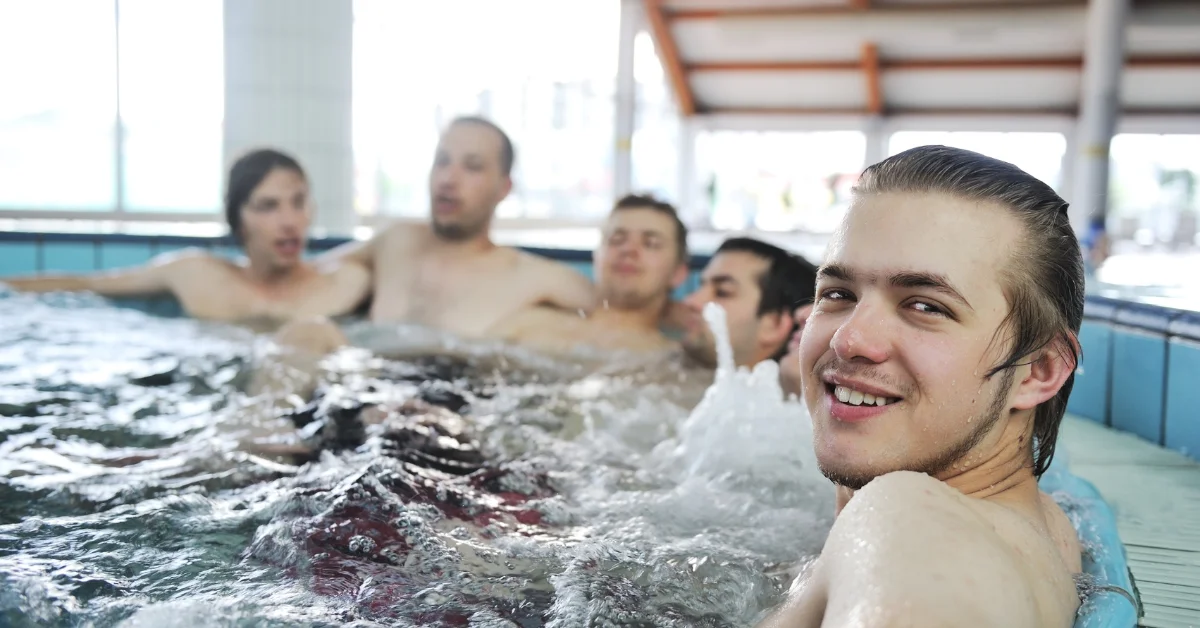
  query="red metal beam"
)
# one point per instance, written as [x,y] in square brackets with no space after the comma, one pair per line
[668,53]
[856,7]
[1054,63]
[870,67]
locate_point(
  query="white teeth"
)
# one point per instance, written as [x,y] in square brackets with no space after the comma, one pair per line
[858,398]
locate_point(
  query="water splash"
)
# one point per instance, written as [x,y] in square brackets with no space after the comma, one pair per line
[744,424]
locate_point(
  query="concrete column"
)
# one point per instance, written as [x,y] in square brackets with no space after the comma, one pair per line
[691,206]
[877,141]
[631,23]
[287,86]
[1099,107]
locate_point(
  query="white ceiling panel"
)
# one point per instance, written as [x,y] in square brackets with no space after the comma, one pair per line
[1161,88]
[983,33]
[791,90]
[975,89]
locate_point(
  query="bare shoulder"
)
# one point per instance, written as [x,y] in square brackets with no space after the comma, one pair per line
[559,285]
[190,261]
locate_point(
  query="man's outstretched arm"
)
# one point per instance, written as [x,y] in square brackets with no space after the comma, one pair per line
[908,551]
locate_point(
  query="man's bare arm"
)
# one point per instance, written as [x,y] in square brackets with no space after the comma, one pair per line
[153,278]
[562,286]
[907,551]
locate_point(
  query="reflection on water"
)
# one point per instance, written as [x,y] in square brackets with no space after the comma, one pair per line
[566,494]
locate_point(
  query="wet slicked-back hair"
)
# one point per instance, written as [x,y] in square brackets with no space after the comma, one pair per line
[508,154]
[1043,281]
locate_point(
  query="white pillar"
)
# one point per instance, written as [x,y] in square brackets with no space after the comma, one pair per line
[691,211]
[287,86]
[877,141]
[1099,107]
[626,105]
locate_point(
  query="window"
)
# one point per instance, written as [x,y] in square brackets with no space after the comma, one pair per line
[58,112]
[172,104]
[1039,154]
[778,181]
[657,132]
[545,73]
[59,147]
[1155,190]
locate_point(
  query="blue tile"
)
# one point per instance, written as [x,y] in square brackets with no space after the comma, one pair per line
[1182,431]
[583,267]
[123,254]
[69,257]
[18,258]
[227,252]
[1089,397]
[1138,377]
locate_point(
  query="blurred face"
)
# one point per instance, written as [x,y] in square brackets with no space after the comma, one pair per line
[731,280]
[789,365]
[637,263]
[895,353]
[275,220]
[466,181]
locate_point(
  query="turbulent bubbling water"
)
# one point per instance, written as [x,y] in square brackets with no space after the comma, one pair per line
[566,494]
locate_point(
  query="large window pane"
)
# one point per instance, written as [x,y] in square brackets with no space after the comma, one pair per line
[172,104]
[657,132]
[778,181]
[1039,154]
[544,70]
[58,109]
[1155,183]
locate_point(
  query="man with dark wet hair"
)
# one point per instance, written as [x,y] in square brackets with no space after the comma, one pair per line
[448,274]
[762,289]
[641,259]
[268,210]
[937,363]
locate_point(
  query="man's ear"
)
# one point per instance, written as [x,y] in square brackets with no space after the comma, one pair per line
[1048,371]
[774,328]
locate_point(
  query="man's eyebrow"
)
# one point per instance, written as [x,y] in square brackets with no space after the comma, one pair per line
[835,271]
[898,279]
[933,281]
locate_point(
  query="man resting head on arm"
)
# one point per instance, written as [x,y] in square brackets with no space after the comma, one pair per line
[937,362]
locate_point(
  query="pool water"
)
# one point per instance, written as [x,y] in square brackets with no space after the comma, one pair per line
[504,488]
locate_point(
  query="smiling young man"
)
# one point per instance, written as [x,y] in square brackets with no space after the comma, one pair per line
[937,363]
[641,258]
[268,211]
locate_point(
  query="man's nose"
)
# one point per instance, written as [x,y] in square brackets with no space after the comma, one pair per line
[864,336]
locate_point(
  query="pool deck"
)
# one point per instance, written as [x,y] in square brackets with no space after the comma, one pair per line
[1155,495]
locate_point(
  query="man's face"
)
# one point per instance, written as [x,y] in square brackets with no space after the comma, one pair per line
[789,364]
[909,302]
[731,280]
[637,261]
[466,181]
[275,220]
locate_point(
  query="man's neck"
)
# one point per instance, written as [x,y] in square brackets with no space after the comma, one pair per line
[476,245]
[999,469]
